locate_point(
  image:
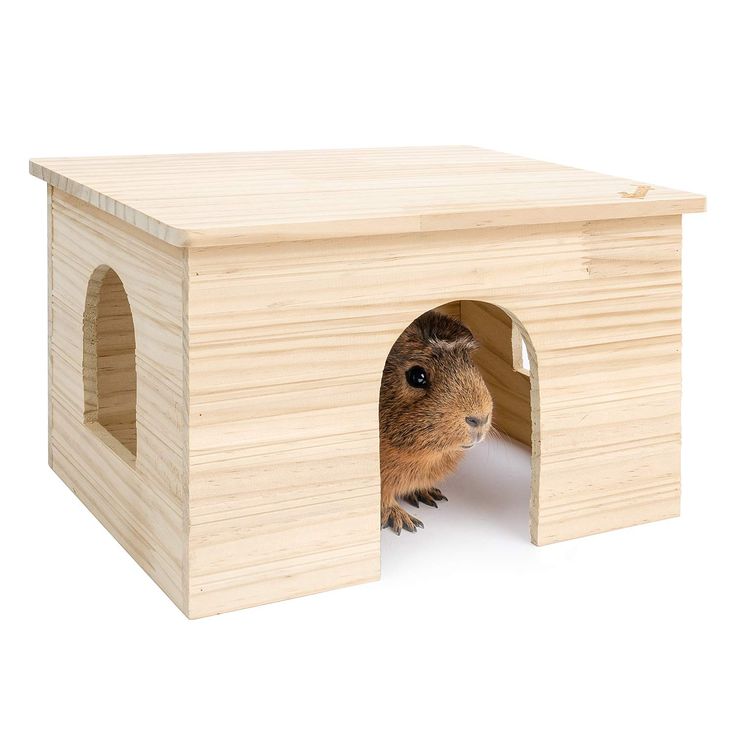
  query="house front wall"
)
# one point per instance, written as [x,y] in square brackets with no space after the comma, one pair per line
[287,343]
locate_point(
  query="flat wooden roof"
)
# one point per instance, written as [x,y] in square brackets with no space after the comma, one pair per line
[221,198]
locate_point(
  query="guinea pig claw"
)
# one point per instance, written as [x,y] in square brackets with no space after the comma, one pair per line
[427,497]
[437,495]
[397,519]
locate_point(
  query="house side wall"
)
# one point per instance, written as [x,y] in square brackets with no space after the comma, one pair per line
[287,346]
[140,500]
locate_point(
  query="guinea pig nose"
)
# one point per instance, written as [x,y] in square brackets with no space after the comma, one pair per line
[476,421]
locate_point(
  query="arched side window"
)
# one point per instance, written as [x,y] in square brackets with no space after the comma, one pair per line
[109,370]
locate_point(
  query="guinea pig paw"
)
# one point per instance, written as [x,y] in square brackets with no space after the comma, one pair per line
[428,497]
[396,519]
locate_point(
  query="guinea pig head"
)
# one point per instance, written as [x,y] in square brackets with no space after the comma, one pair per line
[433,398]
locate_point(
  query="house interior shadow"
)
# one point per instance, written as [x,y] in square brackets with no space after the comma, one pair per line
[487,508]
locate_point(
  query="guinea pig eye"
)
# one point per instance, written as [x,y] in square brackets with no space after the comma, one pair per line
[417,377]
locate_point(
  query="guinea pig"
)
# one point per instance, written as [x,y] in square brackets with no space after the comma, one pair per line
[433,406]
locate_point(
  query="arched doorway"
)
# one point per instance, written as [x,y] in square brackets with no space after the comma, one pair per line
[506,360]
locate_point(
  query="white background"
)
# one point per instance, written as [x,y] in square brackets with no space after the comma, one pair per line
[472,630]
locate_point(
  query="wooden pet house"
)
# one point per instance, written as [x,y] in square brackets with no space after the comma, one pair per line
[219,325]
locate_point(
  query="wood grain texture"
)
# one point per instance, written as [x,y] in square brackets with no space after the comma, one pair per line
[140,499]
[451,309]
[498,360]
[287,346]
[258,356]
[50,314]
[235,198]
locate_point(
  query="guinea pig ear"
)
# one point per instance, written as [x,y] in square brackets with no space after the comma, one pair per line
[468,342]
[473,344]
[446,333]
[462,341]
[465,339]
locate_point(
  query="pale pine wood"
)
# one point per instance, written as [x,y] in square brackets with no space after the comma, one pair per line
[139,498]
[50,313]
[258,364]
[498,360]
[273,436]
[451,309]
[234,198]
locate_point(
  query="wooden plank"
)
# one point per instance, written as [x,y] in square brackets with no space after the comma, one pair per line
[139,498]
[50,311]
[287,346]
[497,359]
[238,198]
[253,392]
[451,309]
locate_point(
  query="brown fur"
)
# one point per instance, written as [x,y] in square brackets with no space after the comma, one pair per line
[424,431]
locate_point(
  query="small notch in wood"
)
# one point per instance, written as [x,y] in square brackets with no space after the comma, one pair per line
[639,193]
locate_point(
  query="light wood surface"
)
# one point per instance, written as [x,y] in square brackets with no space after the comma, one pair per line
[498,359]
[237,458]
[140,498]
[233,198]
[286,446]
